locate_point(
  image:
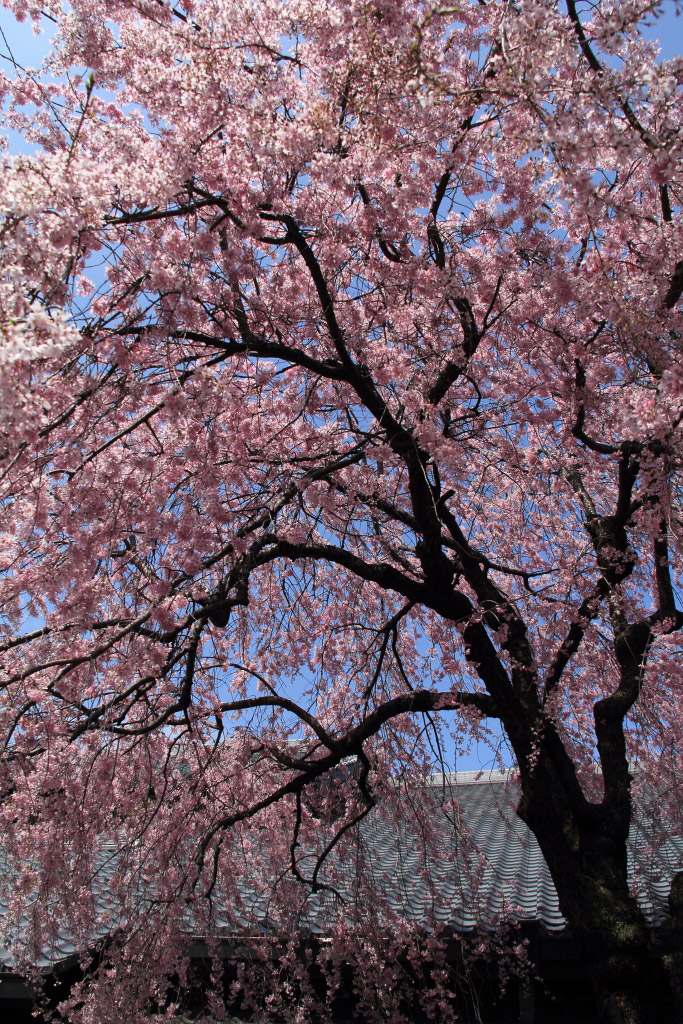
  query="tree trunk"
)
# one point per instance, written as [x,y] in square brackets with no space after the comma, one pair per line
[631,983]
[587,861]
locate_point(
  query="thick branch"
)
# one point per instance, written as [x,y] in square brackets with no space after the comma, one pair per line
[453,369]
[346,746]
[587,611]
[675,289]
[665,590]
[387,249]
[435,564]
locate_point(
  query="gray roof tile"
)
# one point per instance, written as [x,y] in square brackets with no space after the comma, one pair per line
[513,879]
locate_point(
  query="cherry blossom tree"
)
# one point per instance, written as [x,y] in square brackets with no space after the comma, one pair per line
[342,391]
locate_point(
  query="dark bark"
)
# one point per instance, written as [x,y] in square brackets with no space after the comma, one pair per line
[637,978]
[634,979]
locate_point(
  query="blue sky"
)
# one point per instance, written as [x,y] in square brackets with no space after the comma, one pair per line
[28,49]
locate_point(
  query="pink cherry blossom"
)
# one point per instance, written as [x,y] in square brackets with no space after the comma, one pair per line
[340,422]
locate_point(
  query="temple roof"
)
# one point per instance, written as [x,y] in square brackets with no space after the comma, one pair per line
[485,867]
